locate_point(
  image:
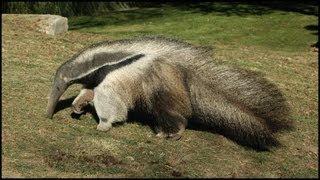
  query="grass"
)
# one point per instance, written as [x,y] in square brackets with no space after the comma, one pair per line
[272,30]
[275,43]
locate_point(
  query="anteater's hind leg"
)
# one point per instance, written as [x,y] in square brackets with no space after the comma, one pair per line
[160,132]
[170,124]
[170,101]
[181,126]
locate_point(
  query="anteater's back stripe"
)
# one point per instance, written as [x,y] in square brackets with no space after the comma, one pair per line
[113,65]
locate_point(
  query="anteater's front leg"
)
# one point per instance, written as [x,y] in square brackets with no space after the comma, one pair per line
[83,99]
[109,107]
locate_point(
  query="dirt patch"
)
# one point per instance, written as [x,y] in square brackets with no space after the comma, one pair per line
[176,173]
[106,160]
[64,161]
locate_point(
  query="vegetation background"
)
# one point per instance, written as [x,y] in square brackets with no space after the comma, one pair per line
[276,38]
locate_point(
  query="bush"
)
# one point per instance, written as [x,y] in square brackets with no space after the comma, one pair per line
[68,8]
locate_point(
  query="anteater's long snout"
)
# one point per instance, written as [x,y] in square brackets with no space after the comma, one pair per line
[56,93]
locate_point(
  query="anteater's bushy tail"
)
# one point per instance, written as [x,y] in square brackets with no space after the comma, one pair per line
[240,104]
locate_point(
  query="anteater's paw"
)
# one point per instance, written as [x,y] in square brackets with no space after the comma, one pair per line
[77,109]
[175,137]
[78,112]
[161,135]
[103,127]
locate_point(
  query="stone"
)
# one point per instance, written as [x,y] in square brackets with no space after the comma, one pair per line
[44,23]
[52,24]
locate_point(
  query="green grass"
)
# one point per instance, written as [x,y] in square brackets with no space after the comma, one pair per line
[275,43]
[272,29]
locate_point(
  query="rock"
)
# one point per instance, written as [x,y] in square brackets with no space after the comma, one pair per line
[52,24]
[44,23]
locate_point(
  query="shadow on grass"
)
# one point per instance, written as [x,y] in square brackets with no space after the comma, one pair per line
[269,143]
[115,18]
[66,103]
[148,120]
[243,8]
[222,8]
[314,31]
[63,104]
[87,109]
[313,28]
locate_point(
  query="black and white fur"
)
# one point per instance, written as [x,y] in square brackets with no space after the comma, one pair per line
[174,82]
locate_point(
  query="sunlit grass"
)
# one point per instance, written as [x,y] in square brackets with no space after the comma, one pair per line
[274,43]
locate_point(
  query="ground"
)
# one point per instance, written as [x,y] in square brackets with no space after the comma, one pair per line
[275,43]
